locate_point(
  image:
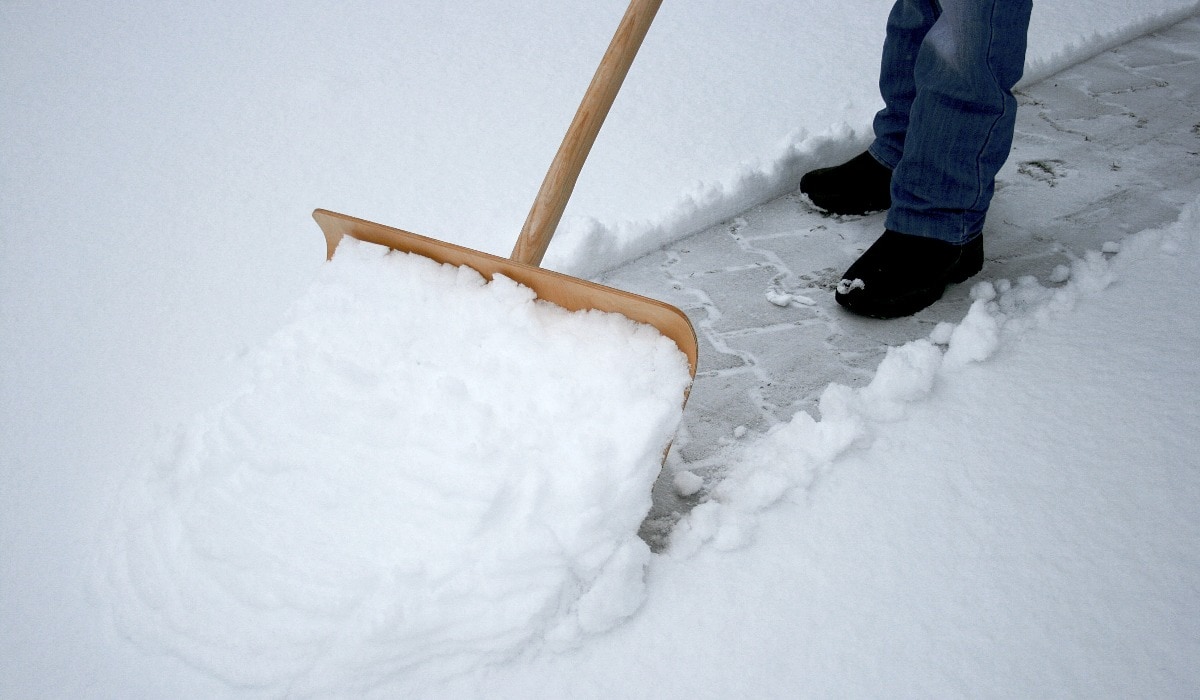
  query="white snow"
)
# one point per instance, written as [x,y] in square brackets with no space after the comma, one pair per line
[687,483]
[203,493]
[427,470]
[845,286]
[779,298]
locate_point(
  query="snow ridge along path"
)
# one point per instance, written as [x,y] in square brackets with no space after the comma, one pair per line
[1102,150]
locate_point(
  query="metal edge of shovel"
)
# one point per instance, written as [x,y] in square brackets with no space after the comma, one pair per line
[571,293]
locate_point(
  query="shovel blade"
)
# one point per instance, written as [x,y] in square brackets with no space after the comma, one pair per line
[571,293]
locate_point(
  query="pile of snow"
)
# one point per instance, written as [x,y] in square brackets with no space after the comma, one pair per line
[427,470]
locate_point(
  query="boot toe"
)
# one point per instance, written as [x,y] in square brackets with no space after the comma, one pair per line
[901,274]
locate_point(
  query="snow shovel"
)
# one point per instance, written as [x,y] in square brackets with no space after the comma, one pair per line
[568,292]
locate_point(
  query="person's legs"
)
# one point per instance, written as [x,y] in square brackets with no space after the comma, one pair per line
[908,23]
[961,113]
[947,132]
[863,184]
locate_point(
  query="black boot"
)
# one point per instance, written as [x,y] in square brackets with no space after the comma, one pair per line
[858,186]
[901,274]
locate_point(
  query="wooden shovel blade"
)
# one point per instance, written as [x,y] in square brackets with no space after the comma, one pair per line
[571,293]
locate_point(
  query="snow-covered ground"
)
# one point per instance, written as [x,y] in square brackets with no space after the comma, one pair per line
[1005,506]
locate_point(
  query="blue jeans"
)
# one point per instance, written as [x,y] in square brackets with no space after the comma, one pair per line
[947,125]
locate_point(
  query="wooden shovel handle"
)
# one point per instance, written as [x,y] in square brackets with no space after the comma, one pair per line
[564,171]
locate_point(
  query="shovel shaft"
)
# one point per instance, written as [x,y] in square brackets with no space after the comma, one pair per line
[560,180]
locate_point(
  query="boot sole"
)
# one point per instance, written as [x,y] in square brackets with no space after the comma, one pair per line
[846,206]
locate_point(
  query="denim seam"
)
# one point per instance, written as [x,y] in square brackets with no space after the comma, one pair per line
[979,184]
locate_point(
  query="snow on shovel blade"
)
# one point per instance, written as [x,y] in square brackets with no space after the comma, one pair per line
[571,293]
[426,473]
